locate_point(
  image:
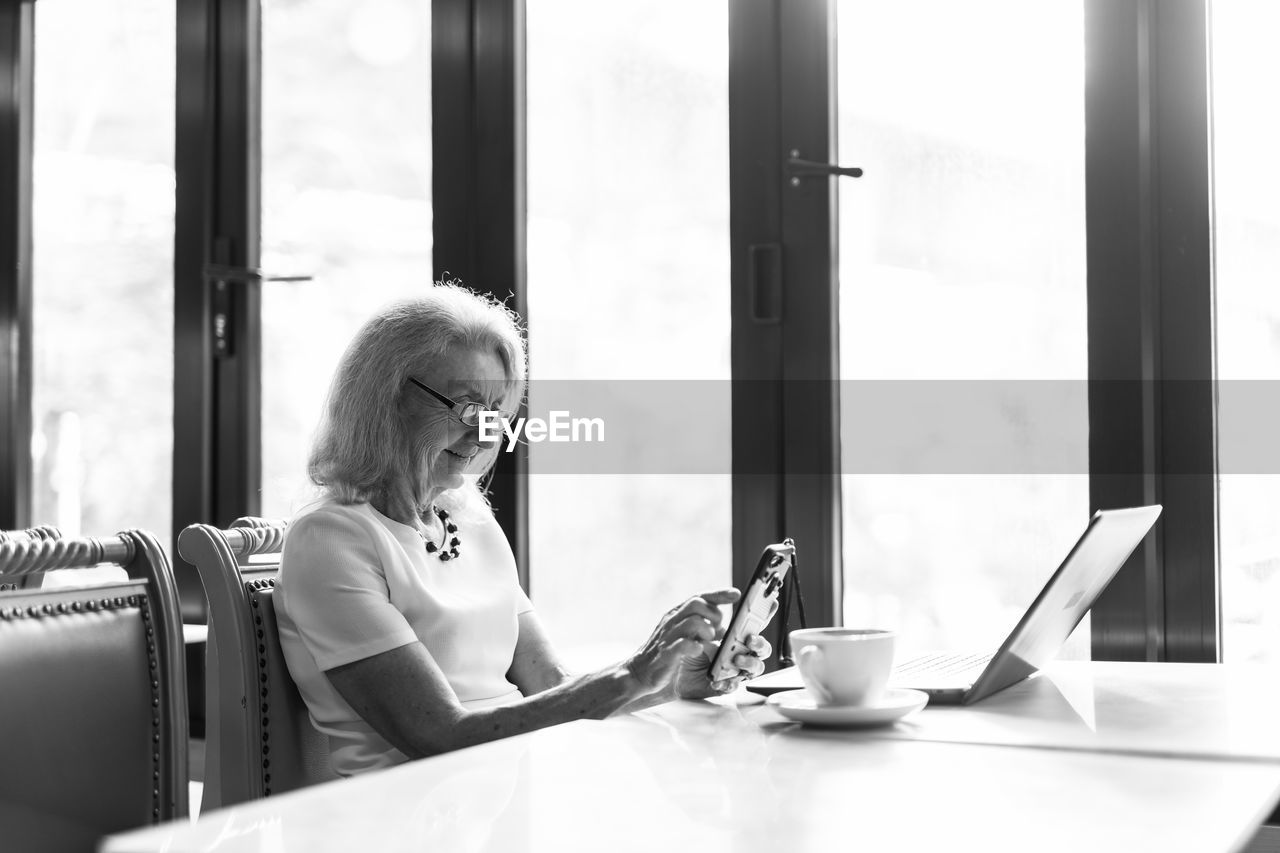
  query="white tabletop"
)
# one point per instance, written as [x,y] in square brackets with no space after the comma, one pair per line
[1200,710]
[731,775]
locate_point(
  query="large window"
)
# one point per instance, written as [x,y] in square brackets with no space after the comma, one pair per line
[103,266]
[629,309]
[962,311]
[346,198]
[1246,73]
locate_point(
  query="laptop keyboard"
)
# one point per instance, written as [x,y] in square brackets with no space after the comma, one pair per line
[942,665]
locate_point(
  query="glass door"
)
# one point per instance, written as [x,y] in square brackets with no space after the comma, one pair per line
[628,295]
[103,266]
[346,199]
[963,362]
[1245,74]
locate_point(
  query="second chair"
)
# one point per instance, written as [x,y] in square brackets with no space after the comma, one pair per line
[259,738]
[93,702]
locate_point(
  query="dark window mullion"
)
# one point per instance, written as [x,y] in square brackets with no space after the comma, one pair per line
[785,434]
[236,241]
[811,443]
[1187,357]
[478,186]
[755,240]
[217,390]
[1151,397]
[17,26]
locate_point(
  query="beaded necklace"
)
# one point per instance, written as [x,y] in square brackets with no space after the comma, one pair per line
[450,538]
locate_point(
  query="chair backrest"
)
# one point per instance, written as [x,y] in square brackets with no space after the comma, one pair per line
[93,701]
[32,579]
[259,738]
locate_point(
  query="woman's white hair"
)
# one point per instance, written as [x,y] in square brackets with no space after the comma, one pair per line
[366,447]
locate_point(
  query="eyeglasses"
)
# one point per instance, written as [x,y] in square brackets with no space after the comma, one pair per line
[466,411]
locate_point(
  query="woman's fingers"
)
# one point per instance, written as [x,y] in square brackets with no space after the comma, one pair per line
[679,648]
[696,608]
[706,605]
[695,626]
[685,632]
[728,595]
[727,685]
[749,664]
[759,646]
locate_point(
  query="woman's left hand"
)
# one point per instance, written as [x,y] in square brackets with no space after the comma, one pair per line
[693,682]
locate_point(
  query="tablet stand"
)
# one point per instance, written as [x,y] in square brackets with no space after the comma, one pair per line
[792,583]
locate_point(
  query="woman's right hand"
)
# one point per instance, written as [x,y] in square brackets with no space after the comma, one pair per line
[685,631]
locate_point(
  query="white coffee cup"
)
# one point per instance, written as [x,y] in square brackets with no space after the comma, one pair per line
[844,666]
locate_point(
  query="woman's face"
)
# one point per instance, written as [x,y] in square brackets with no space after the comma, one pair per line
[465,375]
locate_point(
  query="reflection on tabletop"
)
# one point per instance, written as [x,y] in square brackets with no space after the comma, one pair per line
[730,774]
[1208,710]
[1202,710]
[471,808]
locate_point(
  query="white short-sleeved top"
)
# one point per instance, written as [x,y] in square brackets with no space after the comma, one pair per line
[354,583]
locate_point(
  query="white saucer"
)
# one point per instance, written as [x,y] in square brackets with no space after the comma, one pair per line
[798,705]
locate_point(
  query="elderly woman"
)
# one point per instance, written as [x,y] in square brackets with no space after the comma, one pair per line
[400,614]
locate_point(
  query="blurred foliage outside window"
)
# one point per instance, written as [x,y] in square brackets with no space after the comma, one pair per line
[962,261]
[1246,134]
[103,265]
[962,258]
[628,279]
[346,198]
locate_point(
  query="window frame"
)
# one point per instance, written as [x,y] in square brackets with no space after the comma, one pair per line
[1150,316]
[17,132]
[1150,280]
[479,188]
[217,386]
[1152,371]
[783,241]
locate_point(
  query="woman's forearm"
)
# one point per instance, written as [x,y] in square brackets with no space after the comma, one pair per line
[648,700]
[591,697]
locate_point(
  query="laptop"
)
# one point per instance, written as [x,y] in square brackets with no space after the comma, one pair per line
[962,679]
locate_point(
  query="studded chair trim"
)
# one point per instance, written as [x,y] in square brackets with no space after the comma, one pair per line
[254,589]
[82,602]
[293,754]
[255,756]
[74,615]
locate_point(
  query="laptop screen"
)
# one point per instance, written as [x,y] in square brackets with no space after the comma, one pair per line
[1112,535]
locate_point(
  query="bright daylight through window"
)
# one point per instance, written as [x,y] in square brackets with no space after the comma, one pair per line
[628,295]
[346,199]
[963,361]
[1246,74]
[103,181]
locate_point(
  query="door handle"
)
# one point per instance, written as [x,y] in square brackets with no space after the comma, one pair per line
[219,276]
[798,167]
[227,272]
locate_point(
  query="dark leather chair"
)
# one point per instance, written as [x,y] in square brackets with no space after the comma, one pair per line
[93,703]
[259,738]
[33,579]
